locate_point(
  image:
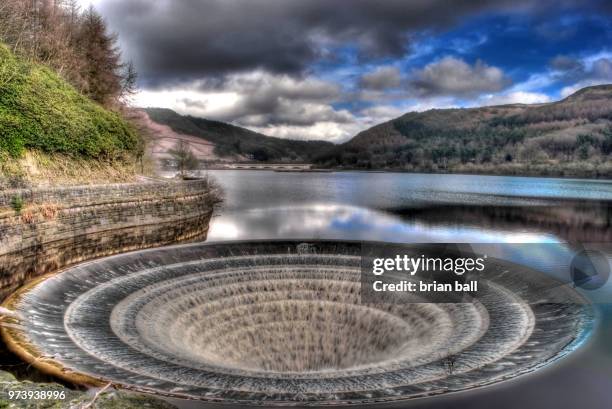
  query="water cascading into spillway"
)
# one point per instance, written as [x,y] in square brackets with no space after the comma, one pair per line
[266,323]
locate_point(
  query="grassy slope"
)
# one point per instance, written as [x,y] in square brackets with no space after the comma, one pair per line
[41,112]
[232,140]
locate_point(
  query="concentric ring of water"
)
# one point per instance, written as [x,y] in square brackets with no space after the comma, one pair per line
[262,323]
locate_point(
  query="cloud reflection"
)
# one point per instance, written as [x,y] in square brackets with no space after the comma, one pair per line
[345,222]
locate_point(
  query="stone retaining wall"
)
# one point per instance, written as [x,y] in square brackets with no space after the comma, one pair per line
[58,227]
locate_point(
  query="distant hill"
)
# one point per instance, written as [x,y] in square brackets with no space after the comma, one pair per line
[232,141]
[569,137]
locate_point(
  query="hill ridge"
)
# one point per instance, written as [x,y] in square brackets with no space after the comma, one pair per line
[237,142]
[572,136]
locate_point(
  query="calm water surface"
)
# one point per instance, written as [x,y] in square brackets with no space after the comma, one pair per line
[540,222]
[411,208]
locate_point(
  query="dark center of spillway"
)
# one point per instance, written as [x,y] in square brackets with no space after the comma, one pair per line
[283,320]
[292,336]
[273,333]
[265,323]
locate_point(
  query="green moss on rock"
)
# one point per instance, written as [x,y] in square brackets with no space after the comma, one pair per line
[6,377]
[8,383]
[125,400]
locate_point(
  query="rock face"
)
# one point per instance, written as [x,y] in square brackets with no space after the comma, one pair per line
[44,230]
[72,399]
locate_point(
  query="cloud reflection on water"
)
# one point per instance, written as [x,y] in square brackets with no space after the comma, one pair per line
[339,221]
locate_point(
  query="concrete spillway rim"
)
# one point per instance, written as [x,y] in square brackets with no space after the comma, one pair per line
[18,343]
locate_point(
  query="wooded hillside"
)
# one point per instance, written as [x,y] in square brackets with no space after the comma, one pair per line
[571,136]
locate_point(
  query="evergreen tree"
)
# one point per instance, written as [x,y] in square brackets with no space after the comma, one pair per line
[102,68]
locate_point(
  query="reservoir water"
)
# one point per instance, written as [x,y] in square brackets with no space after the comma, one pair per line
[538,222]
[403,207]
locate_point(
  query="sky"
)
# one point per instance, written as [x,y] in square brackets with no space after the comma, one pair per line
[328,69]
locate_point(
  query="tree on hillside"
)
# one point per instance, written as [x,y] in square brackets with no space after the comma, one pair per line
[128,81]
[73,43]
[103,68]
[184,157]
[41,30]
[261,155]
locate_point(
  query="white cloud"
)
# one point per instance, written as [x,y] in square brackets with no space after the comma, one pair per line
[591,70]
[534,82]
[516,97]
[590,60]
[569,90]
[277,105]
[328,131]
[382,112]
[187,101]
[433,103]
[465,45]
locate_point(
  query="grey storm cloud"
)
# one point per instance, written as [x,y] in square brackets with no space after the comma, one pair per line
[275,87]
[566,64]
[570,69]
[382,78]
[268,99]
[173,41]
[454,77]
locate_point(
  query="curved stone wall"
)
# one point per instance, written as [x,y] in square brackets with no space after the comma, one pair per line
[44,230]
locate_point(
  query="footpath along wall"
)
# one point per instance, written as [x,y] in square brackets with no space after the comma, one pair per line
[44,230]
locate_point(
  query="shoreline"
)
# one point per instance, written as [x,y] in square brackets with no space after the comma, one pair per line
[413,172]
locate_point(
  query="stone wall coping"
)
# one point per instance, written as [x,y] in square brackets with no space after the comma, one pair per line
[96,193]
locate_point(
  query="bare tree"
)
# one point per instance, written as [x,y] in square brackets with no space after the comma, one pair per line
[184,157]
[75,44]
[128,83]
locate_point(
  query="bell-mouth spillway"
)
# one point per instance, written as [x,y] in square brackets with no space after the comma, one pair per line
[265,323]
